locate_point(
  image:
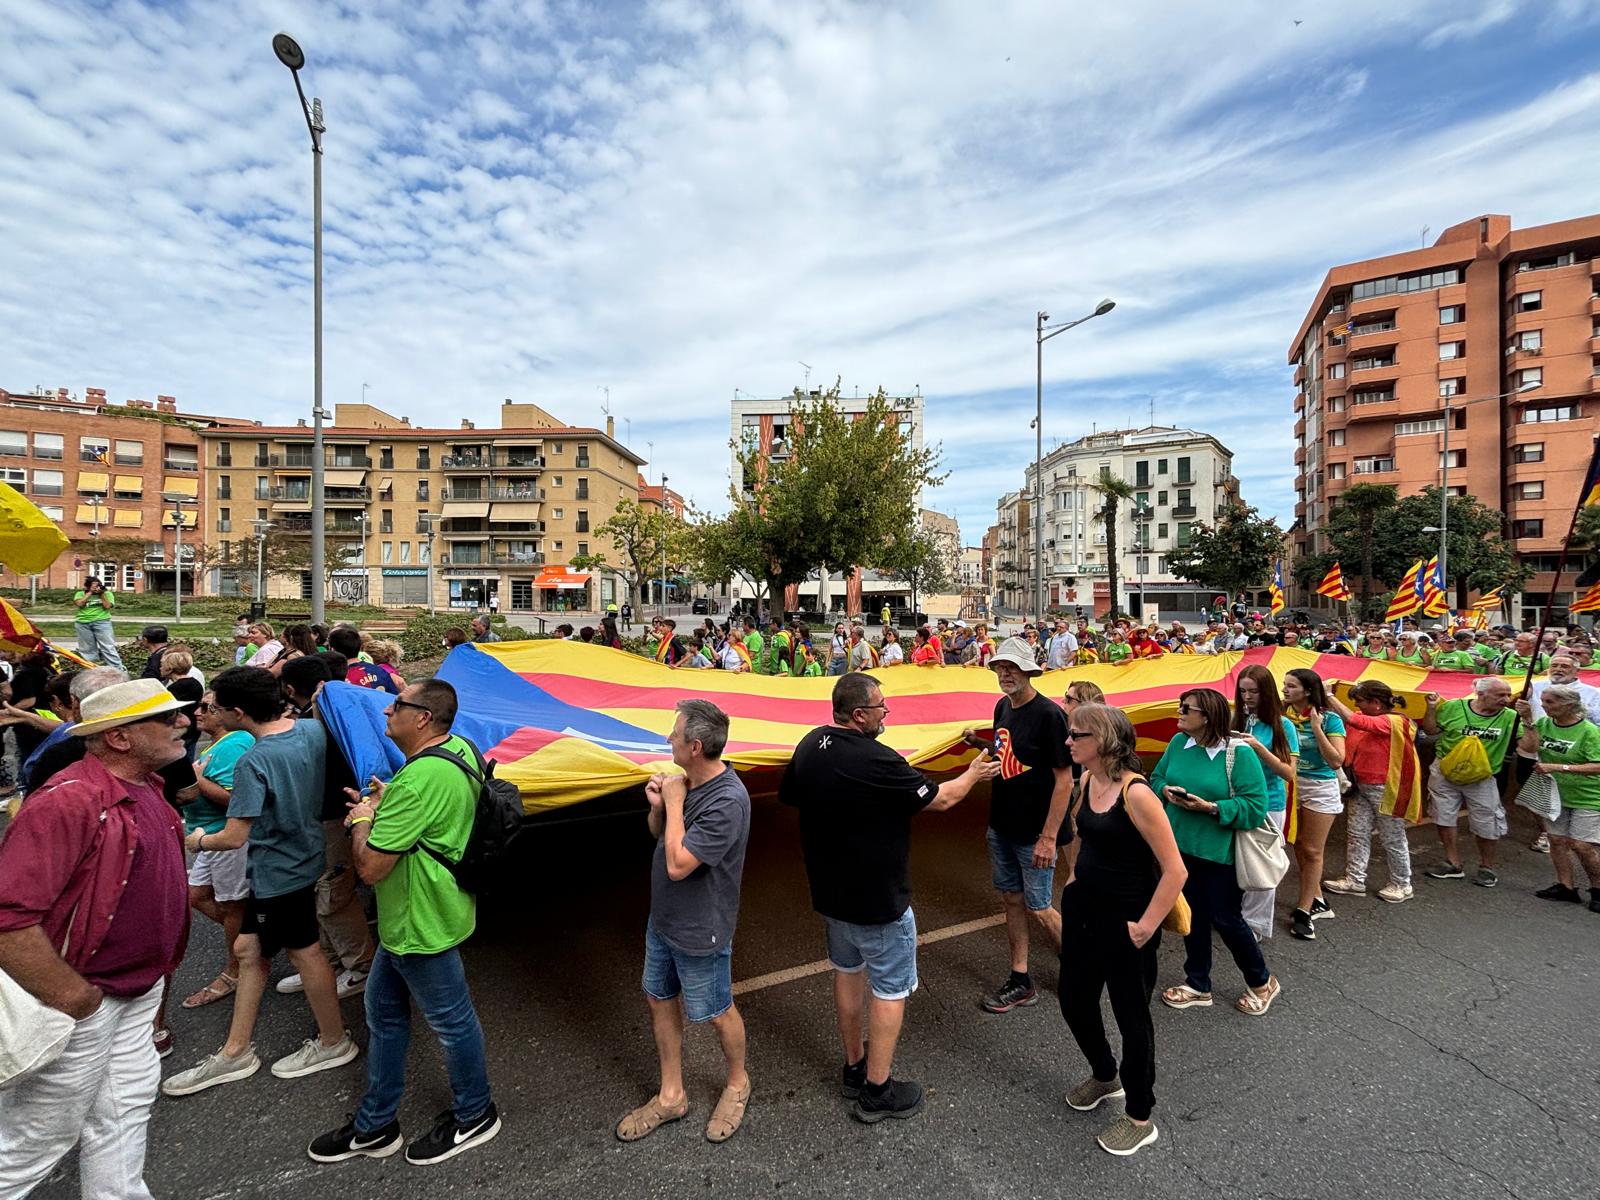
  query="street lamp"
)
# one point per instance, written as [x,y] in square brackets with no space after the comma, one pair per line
[1042,334]
[291,56]
[177,500]
[261,526]
[363,530]
[663,542]
[428,520]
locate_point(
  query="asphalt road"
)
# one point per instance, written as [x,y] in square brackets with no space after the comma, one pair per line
[1445,1048]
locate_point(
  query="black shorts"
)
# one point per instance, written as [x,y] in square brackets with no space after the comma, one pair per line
[287,922]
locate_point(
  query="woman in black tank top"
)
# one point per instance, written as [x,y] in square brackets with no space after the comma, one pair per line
[1127,877]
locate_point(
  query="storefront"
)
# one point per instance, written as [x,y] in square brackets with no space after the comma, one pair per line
[471,592]
[405,587]
[561,589]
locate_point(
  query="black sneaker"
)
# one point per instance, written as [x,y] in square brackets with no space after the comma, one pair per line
[345,1142]
[1594,900]
[1300,926]
[1011,995]
[852,1078]
[449,1137]
[897,1098]
[1446,870]
[1321,910]
[1559,891]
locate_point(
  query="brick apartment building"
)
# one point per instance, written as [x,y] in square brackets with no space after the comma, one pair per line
[480,513]
[100,471]
[1496,330]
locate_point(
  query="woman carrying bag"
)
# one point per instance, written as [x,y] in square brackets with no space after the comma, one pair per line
[1258,719]
[1127,876]
[1212,789]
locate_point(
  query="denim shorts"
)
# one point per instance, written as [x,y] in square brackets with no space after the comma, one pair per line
[1011,867]
[705,981]
[888,953]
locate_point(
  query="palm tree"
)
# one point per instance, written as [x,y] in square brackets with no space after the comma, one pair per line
[1112,492]
[1367,500]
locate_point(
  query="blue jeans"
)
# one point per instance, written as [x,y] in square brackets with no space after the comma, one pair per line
[838,666]
[1011,869]
[438,983]
[98,643]
[705,981]
[888,953]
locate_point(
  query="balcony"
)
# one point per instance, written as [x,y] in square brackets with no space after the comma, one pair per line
[1374,327]
[450,534]
[224,526]
[464,462]
[297,524]
[459,557]
[301,461]
[260,460]
[1184,510]
[347,496]
[180,464]
[1373,466]
[517,558]
[508,528]
[332,495]
[361,462]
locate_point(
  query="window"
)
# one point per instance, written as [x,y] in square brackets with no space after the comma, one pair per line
[422,458]
[49,483]
[1161,466]
[1528,452]
[1529,491]
[560,514]
[1141,474]
[1373,362]
[1185,533]
[93,450]
[1373,466]
[1406,428]
[13,441]
[1142,500]
[1336,370]
[388,552]
[54,511]
[224,487]
[583,489]
[1373,396]
[583,547]
[1336,404]
[583,520]
[1452,387]
[1141,564]
[1528,529]
[1336,470]
[583,454]
[1452,314]
[424,553]
[1336,437]
[1184,500]
[1161,499]
[1457,458]
[224,520]
[1530,377]
[405,552]
[422,489]
[1448,350]
[15,476]
[386,458]
[561,446]
[1530,339]
[558,541]
[48,445]
[1161,529]
[1527,302]
[1419,281]
[225,459]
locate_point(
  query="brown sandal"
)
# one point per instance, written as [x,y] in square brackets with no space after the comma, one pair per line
[211,993]
[728,1115]
[647,1118]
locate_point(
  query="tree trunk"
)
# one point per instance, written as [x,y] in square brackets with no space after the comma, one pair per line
[1112,575]
[1367,521]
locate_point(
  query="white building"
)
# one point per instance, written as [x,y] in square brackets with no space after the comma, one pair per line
[1181,478]
[970,574]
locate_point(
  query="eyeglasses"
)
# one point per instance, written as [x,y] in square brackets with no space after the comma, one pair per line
[1185,709]
[885,707]
[399,703]
[203,707]
[1074,734]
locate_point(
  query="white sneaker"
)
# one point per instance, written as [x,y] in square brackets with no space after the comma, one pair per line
[1541,844]
[352,983]
[213,1070]
[290,984]
[313,1056]
[1396,893]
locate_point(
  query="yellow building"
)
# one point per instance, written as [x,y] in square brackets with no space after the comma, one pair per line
[477,514]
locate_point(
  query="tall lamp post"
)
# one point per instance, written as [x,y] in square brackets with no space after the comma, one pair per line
[177,500]
[663,542]
[291,56]
[1042,334]
[428,520]
[261,527]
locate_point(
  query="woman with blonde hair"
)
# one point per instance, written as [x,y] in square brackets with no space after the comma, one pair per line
[178,663]
[386,653]
[1125,879]
[268,648]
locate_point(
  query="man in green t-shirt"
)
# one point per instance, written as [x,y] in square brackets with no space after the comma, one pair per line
[92,623]
[754,643]
[1489,717]
[1520,659]
[1459,657]
[423,917]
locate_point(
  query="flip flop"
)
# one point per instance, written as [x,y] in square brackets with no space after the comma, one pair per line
[647,1118]
[211,993]
[728,1115]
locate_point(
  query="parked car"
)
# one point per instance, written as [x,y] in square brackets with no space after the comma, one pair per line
[703,606]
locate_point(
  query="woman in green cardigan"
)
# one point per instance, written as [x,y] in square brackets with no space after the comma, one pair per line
[1205,807]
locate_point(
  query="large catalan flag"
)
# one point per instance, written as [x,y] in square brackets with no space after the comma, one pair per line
[1588,602]
[1490,600]
[1275,591]
[568,722]
[1333,585]
[1408,596]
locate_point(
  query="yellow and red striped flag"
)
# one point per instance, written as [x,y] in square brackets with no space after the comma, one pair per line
[1434,602]
[1333,585]
[1407,597]
[1588,602]
[1275,590]
[1491,600]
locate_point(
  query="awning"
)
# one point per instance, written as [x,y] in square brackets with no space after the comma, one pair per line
[466,508]
[93,481]
[560,577]
[129,518]
[343,478]
[387,484]
[514,512]
[183,485]
[130,483]
[189,519]
[86,514]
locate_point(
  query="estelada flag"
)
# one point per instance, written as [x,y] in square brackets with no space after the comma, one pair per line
[1275,591]
[1434,601]
[1407,597]
[1333,585]
[1490,600]
[1588,602]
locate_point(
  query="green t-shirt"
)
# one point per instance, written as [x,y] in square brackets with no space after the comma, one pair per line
[1574,744]
[775,648]
[431,802]
[1457,660]
[1413,659]
[1517,664]
[216,763]
[1456,720]
[98,609]
[1117,651]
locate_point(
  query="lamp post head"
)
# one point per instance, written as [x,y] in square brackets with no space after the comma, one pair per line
[1104,307]
[288,51]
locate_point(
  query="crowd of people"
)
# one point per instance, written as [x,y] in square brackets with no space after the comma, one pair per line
[148,801]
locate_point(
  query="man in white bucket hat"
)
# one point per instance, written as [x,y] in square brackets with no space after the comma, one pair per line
[94,912]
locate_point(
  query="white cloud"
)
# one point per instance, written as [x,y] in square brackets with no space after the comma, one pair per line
[535,201]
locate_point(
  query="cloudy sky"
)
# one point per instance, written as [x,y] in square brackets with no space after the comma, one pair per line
[676,199]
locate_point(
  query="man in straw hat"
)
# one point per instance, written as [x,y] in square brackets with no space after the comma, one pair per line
[94,912]
[1027,812]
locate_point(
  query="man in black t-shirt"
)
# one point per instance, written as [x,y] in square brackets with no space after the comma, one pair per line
[1027,813]
[856,799]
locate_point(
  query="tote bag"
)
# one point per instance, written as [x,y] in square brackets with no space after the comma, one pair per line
[32,1035]
[1260,858]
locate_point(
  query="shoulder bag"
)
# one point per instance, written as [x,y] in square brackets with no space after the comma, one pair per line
[1260,858]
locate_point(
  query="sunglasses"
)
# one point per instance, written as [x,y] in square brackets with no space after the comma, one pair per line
[1074,734]
[399,703]
[166,718]
[1185,709]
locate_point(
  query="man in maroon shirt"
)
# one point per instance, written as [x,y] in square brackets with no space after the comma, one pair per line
[93,913]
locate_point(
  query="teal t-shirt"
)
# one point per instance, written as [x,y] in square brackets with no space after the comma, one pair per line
[216,763]
[1312,764]
[1277,788]
[429,802]
[279,783]
[1574,744]
[98,609]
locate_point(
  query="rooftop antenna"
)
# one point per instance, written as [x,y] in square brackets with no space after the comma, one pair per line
[1425,229]
[1152,410]
[606,406]
[651,461]
[807,366]
[364,388]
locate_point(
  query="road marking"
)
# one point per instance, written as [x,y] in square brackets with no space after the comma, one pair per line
[790,974]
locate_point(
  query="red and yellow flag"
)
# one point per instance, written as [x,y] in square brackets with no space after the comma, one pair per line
[1333,585]
[1588,602]
[1407,597]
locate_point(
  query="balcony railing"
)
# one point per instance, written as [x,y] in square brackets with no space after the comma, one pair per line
[298,524]
[337,495]
[498,460]
[510,527]
[1184,510]
[464,462]
[517,559]
[180,464]
[1382,466]
[303,461]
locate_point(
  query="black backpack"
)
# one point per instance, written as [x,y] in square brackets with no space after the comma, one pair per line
[496,818]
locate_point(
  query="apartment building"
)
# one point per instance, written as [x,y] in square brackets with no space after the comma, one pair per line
[114,473]
[1012,553]
[1489,339]
[1181,478]
[945,533]
[471,513]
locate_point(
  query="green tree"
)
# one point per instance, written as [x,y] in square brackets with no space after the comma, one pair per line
[119,551]
[843,496]
[282,554]
[638,533]
[1235,553]
[921,561]
[1112,492]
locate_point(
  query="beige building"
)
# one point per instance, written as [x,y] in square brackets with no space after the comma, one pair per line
[470,514]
